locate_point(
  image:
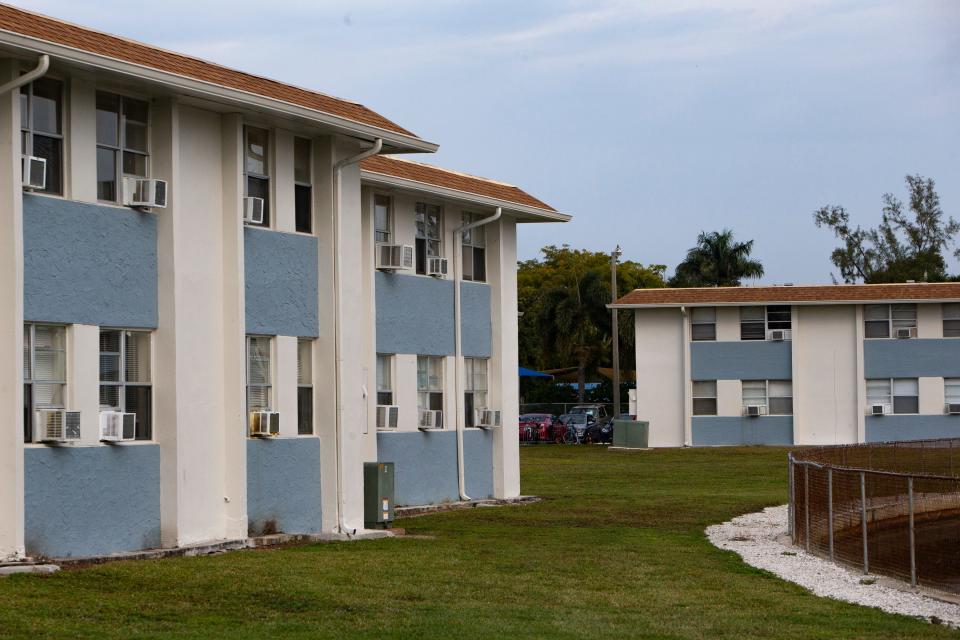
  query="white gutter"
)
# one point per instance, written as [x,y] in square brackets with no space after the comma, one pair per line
[458,340]
[338,323]
[42,65]
[213,91]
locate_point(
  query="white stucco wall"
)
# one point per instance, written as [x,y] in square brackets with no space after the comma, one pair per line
[728,324]
[660,376]
[729,398]
[930,320]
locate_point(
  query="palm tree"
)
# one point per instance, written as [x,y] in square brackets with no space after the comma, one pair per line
[717,261]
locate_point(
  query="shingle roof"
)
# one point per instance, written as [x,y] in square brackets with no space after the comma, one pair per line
[427,174]
[807,294]
[42,27]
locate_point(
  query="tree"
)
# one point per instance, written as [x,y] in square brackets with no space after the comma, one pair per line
[563,298]
[717,261]
[907,245]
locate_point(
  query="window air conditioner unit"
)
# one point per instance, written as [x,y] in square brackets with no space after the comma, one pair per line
[116,426]
[437,267]
[754,410]
[144,192]
[264,424]
[953,408]
[778,335]
[394,257]
[253,210]
[487,418]
[431,419]
[905,333]
[388,416]
[879,409]
[33,172]
[56,425]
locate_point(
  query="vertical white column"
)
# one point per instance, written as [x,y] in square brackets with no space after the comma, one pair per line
[11,321]
[796,379]
[83,378]
[234,330]
[861,382]
[405,390]
[283,209]
[80,141]
[504,380]
[285,383]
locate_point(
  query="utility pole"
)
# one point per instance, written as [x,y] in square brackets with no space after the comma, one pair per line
[616,332]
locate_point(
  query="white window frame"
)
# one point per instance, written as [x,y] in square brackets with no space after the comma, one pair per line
[425,394]
[30,359]
[890,398]
[306,382]
[268,212]
[892,323]
[27,134]
[268,385]
[469,246]
[425,237]
[122,383]
[121,148]
[695,395]
[711,312]
[951,390]
[768,324]
[951,313]
[308,184]
[478,397]
[764,401]
[384,364]
[383,236]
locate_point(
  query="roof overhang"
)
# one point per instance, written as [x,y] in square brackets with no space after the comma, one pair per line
[523,213]
[797,303]
[394,142]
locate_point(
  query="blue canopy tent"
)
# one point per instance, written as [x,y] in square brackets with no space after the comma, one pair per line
[530,373]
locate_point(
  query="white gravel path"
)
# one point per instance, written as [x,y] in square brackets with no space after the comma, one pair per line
[758,539]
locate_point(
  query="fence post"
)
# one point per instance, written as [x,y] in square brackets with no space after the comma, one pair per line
[806,504]
[913,550]
[863,520]
[830,509]
[790,507]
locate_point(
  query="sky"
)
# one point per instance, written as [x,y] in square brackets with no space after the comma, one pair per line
[648,121]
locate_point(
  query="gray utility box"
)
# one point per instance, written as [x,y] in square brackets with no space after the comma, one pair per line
[630,434]
[377,494]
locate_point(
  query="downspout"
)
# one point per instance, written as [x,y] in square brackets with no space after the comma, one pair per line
[42,65]
[338,322]
[684,357]
[458,340]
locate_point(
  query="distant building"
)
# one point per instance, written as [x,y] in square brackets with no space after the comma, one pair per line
[801,365]
[216,309]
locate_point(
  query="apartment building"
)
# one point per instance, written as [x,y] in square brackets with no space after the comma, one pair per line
[224,294]
[781,365]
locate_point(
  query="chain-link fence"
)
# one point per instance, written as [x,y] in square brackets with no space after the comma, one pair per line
[563,408]
[888,508]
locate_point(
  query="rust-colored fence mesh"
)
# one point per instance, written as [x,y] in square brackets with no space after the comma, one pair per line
[890,508]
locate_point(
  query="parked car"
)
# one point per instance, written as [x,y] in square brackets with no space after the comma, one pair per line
[601,432]
[536,427]
[597,411]
[576,427]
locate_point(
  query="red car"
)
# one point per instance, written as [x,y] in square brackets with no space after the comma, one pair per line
[536,427]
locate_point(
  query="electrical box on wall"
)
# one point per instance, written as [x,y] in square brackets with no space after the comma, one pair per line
[378,494]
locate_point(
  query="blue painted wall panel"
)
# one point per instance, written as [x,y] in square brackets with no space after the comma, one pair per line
[283,485]
[88,264]
[426,464]
[91,501]
[741,360]
[735,430]
[912,358]
[911,427]
[415,315]
[281,283]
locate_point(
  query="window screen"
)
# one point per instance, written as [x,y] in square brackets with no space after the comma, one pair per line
[705,398]
[753,323]
[703,323]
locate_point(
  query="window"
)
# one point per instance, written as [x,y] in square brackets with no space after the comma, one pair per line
[882,320]
[382,219]
[125,383]
[703,323]
[951,320]
[121,142]
[474,251]
[428,234]
[902,394]
[44,371]
[775,395]
[256,167]
[303,185]
[384,379]
[756,321]
[41,128]
[951,390]
[429,383]
[258,373]
[705,398]
[475,389]
[305,387]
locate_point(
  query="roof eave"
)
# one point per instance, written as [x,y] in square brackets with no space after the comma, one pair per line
[530,214]
[399,143]
[799,303]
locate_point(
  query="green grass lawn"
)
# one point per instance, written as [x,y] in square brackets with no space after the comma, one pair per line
[616,549]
